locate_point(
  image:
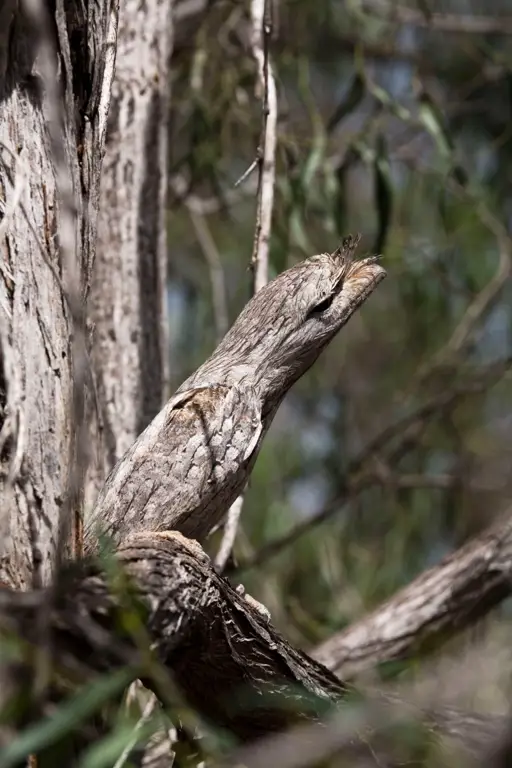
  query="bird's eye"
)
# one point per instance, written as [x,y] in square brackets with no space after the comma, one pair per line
[318,309]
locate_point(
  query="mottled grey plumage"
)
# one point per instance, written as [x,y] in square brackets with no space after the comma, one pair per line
[189,465]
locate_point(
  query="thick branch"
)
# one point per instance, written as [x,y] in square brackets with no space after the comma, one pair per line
[230,663]
[233,667]
[445,599]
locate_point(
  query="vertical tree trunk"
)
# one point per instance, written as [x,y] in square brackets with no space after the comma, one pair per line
[127,305]
[36,328]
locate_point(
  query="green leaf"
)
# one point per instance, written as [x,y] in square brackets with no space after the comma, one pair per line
[349,102]
[319,143]
[383,191]
[432,120]
[384,98]
[69,714]
[298,232]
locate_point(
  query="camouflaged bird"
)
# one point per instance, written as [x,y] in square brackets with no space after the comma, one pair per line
[188,466]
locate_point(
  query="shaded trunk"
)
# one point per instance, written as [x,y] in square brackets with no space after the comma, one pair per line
[36,328]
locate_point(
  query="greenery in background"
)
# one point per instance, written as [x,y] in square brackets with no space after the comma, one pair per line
[401,132]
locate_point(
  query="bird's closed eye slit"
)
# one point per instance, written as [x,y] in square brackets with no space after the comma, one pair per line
[322,306]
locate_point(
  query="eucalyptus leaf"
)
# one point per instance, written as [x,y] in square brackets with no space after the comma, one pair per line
[350,101]
[383,192]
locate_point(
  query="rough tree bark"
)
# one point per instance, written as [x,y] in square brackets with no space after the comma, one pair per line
[231,664]
[127,302]
[187,605]
[189,608]
[36,327]
[127,307]
[444,600]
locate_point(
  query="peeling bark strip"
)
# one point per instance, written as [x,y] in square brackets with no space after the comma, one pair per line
[193,460]
[35,322]
[127,302]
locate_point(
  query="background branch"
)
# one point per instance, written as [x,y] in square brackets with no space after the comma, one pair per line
[260,37]
[442,601]
[212,257]
[447,22]
[389,442]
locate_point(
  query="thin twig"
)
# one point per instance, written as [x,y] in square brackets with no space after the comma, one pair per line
[144,718]
[260,37]
[486,298]
[483,301]
[266,159]
[109,66]
[247,172]
[229,535]
[210,205]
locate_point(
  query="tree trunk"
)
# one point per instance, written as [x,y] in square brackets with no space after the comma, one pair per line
[127,306]
[37,325]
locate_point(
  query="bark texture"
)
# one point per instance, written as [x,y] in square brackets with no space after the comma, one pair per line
[233,667]
[194,459]
[36,327]
[127,303]
[444,600]
[231,664]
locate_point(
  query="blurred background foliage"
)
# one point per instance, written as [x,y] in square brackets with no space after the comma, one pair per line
[394,121]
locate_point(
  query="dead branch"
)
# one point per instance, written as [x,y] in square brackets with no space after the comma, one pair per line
[442,601]
[260,37]
[363,736]
[232,666]
[261,33]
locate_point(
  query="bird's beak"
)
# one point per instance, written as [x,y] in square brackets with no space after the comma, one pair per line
[362,278]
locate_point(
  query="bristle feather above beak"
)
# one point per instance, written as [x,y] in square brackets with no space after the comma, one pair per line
[348,266]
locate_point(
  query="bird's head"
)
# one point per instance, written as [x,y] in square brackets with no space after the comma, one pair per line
[285,326]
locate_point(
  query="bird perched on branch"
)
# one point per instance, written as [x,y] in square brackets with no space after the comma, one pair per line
[188,466]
